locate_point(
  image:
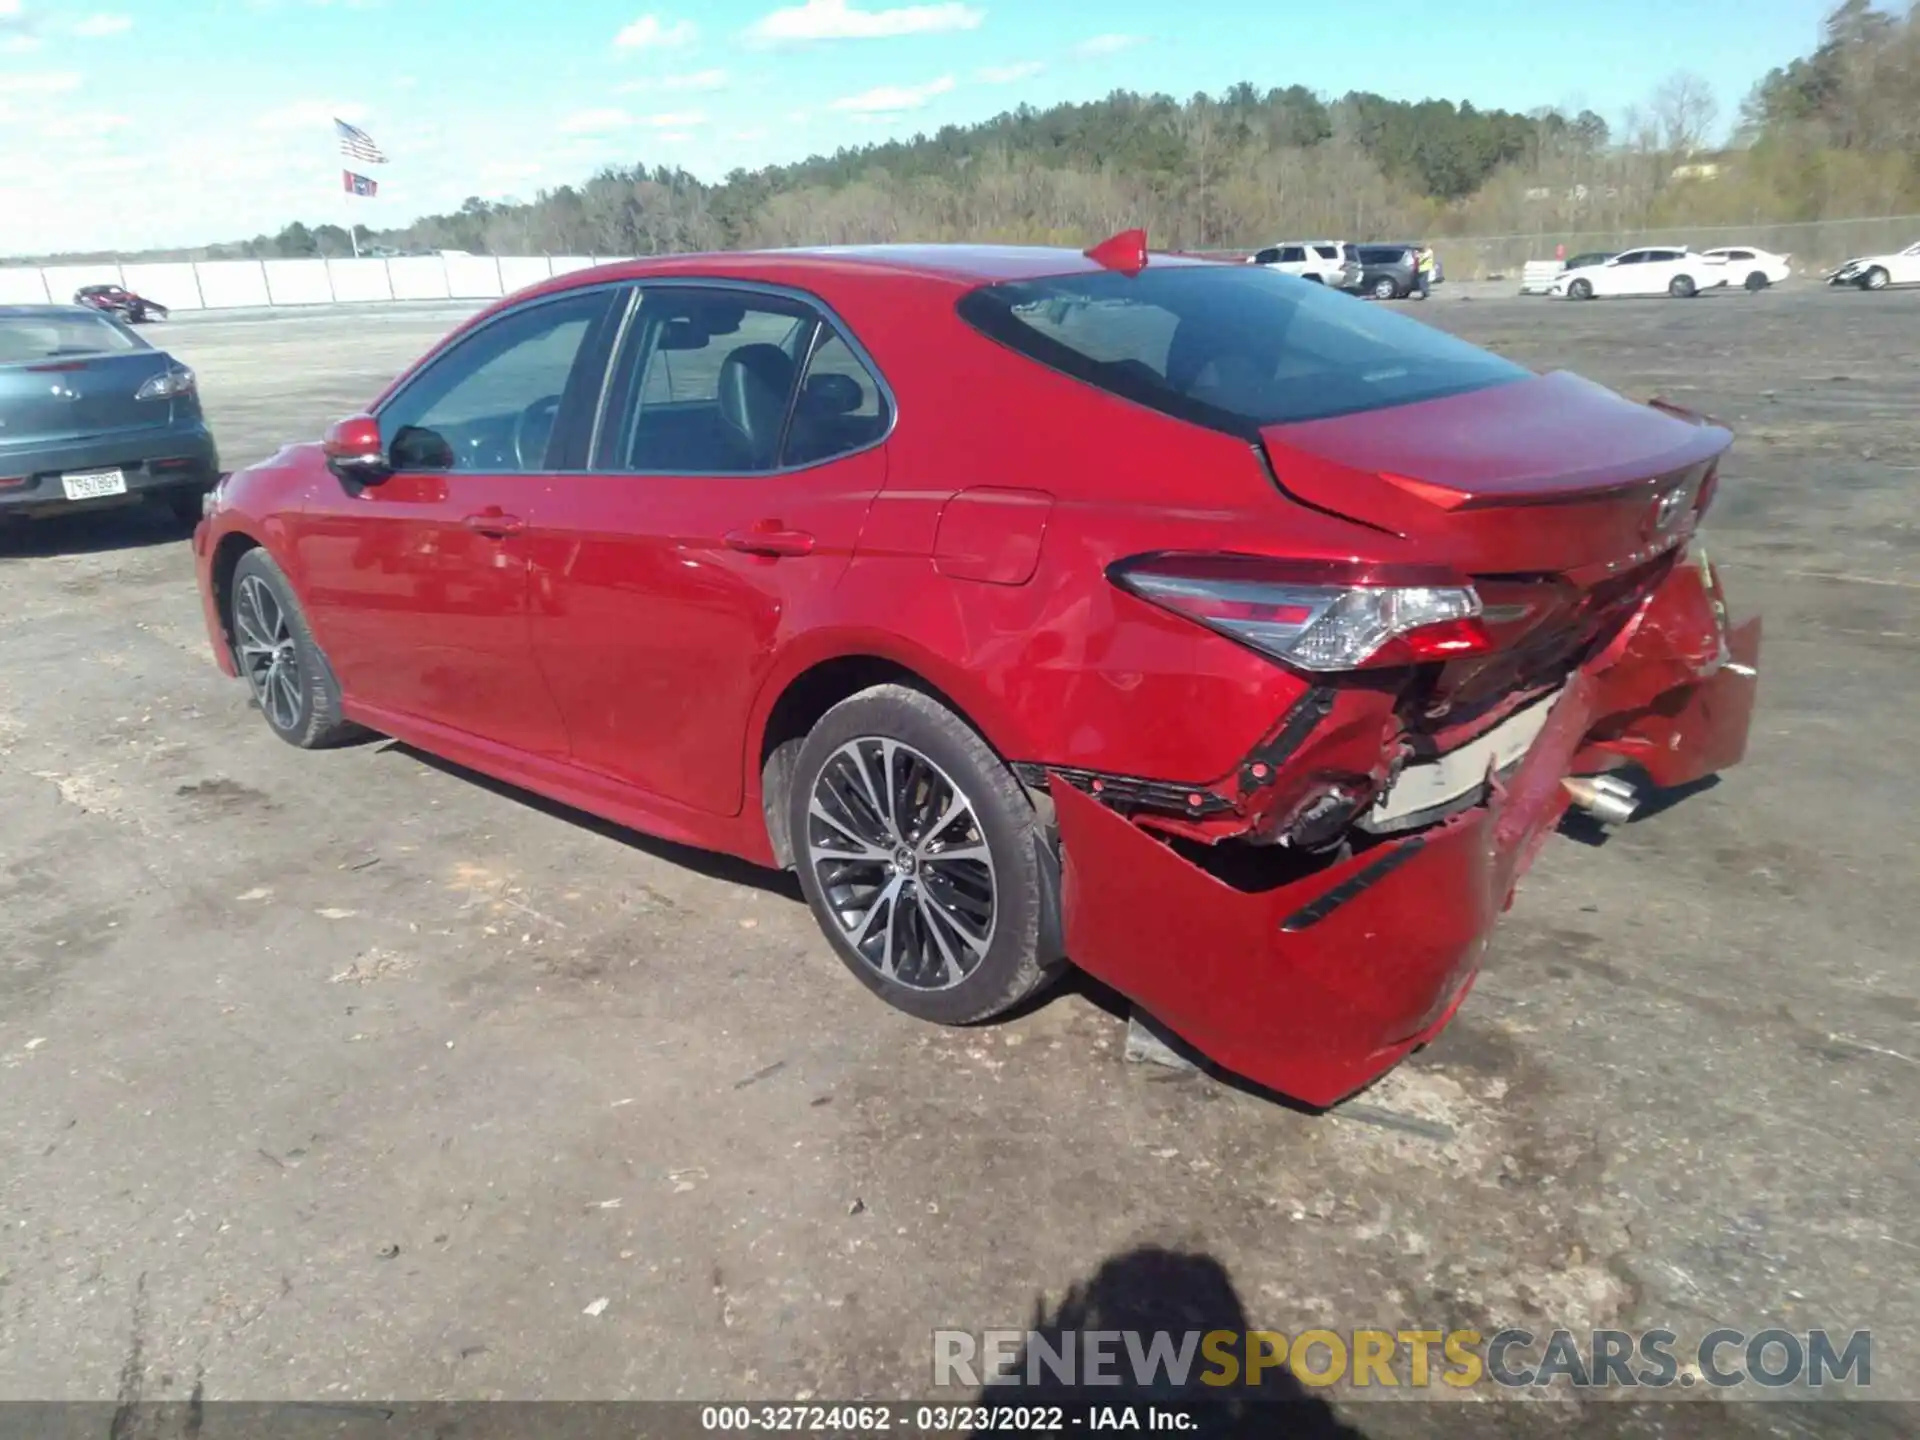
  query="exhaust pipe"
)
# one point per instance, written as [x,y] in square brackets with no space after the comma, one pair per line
[1607,798]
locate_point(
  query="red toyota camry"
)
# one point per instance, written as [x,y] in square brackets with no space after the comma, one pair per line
[1228,637]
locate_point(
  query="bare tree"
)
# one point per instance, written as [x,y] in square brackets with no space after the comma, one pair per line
[1683,111]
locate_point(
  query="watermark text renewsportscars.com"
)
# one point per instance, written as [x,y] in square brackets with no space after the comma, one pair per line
[1511,1359]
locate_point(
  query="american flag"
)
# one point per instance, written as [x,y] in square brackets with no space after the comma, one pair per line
[359,184]
[357,144]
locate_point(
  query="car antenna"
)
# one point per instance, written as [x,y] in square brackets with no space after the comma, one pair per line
[1125,252]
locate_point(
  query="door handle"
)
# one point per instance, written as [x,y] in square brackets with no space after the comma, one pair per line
[495,523]
[770,538]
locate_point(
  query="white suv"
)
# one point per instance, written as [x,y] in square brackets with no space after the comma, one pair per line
[1333,263]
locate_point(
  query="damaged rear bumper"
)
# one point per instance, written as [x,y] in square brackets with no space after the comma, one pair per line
[1316,986]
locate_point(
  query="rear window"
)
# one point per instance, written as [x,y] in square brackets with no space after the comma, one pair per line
[1230,347]
[52,335]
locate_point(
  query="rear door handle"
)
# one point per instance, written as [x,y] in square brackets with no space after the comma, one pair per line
[770,539]
[494,523]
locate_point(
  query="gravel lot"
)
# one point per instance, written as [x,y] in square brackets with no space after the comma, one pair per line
[349,1075]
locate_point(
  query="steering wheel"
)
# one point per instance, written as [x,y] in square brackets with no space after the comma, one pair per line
[532,430]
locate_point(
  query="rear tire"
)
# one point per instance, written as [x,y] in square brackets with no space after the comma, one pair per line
[1875,279]
[1580,289]
[1681,287]
[285,669]
[1756,282]
[952,940]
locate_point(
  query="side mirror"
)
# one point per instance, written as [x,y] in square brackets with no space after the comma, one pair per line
[355,452]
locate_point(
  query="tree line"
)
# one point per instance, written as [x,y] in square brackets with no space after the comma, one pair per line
[1835,133]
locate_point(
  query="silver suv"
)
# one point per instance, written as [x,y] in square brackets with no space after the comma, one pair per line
[1334,263]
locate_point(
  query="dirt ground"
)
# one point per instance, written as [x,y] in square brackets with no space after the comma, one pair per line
[350,1075]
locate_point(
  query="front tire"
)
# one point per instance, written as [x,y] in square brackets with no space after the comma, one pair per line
[1385,289]
[284,667]
[1580,289]
[1681,287]
[1875,279]
[919,854]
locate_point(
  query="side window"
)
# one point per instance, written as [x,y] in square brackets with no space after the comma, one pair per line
[1659,255]
[1290,254]
[709,383]
[1327,252]
[1267,256]
[840,406]
[1738,254]
[1631,257]
[491,402]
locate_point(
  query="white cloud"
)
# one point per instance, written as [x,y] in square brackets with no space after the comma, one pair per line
[676,120]
[838,20]
[755,133]
[699,81]
[48,82]
[892,99]
[1107,44]
[311,115]
[22,44]
[1007,74]
[96,27]
[81,124]
[9,9]
[650,32]
[595,122]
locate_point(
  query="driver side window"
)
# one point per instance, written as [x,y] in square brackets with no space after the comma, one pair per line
[490,403]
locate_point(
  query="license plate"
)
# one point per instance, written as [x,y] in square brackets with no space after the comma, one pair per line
[92,484]
[1432,783]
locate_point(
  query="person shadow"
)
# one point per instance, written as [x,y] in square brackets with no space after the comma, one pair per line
[1147,1290]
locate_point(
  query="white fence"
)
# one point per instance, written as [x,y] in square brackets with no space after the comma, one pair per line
[236,284]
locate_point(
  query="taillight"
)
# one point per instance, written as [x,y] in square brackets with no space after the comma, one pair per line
[1314,616]
[169,384]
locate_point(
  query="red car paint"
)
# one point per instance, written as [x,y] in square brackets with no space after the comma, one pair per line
[619,643]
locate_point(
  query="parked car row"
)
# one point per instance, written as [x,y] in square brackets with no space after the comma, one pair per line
[1388,271]
[1683,272]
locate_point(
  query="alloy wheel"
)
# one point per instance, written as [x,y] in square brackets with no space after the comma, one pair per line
[268,657]
[902,862]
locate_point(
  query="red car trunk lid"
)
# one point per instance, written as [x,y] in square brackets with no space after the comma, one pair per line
[1551,474]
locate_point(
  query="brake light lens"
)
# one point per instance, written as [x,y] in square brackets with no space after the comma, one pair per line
[169,384]
[1317,617]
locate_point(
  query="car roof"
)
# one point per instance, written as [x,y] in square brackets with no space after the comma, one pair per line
[962,264]
[30,312]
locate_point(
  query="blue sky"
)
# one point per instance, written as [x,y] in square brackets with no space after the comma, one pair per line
[136,122]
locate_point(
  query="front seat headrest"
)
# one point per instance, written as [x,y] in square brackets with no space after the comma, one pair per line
[755,382]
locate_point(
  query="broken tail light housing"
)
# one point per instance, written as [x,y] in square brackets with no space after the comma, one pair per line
[1319,616]
[174,381]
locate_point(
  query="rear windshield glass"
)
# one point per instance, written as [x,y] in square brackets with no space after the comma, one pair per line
[1230,347]
[48,336]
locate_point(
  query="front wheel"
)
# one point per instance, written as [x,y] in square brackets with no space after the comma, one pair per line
[1581,289]
[920,856]
[1876,279]
[1681,287]
[283,666]
[1385,289]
